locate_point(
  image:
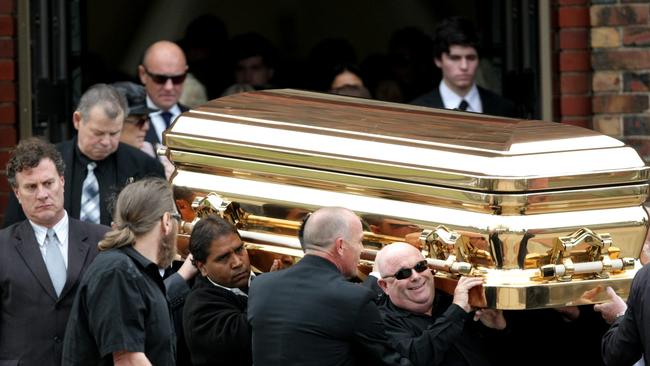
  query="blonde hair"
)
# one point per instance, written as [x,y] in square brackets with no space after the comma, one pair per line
[139,207]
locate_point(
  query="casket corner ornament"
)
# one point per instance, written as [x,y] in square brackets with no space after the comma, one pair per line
[549,214]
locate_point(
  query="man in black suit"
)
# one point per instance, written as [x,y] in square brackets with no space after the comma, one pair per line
[42,259]
[214,317]
[309,314]
[455,50]
[162,72]
[98,120]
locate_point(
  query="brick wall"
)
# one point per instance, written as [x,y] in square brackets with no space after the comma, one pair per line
[572,77]
[620,41]
[8,92]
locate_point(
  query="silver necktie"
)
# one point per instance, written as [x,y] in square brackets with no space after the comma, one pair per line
[90,197]
[54,261]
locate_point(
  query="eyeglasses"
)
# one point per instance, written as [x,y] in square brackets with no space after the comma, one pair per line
[405,273]
[162,79]
[139,123]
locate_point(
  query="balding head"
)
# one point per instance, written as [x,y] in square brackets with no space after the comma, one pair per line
[414,293]
[162,72]
[336,234]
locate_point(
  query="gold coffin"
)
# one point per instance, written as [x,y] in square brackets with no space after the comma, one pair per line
[549,214]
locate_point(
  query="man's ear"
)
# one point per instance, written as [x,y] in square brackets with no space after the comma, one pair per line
[382,284]
[339,245]
[201,266]
[17,193]
[141,73]
[438,62]
[76,119]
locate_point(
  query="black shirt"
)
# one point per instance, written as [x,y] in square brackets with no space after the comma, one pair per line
[120,306]
[216,327]
[106,173]
[447,337]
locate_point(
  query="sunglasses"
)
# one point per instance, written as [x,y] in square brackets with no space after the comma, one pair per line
[162,79]
[176,217]
[139,123]
[405,273]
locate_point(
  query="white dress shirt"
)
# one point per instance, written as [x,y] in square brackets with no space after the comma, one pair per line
[61,230]
[235,290]
[451,100]
[157,122]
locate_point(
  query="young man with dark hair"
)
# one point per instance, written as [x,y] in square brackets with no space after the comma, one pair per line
[456,54]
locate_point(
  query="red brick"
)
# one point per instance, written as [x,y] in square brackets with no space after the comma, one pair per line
[636,36]
[621,60]
[573,17]
[4,158]
[611,15]
[4,184]
[7,92]
[7,113]
[7,48]
[575,83]
[8,136]
[575,105]
[7,70]
[636,125]
[574,61]
[7,6]
[636,82]
[574,39]
[7,25]
[626,103]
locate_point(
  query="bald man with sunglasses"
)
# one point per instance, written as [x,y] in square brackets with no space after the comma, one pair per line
[427,326]
[162,72]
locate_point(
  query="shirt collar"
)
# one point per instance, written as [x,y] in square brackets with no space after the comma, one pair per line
[451,100]
[60,228]
[174,110]
[235,290]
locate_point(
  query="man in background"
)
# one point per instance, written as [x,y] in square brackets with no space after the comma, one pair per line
[98,164]
[162,72]
[455,48]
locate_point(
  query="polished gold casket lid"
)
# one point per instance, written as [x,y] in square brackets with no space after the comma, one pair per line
[407,143]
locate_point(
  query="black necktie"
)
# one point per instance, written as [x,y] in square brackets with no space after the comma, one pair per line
[463,105]
[167,117]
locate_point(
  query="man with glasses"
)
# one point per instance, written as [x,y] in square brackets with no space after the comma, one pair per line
[163,72]
[137,124]
[427,326]
[309,314]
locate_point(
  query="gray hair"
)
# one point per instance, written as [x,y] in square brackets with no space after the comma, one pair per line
[113,102]
[324,226]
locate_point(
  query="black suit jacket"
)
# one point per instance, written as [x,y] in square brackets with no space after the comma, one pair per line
[492,103]
[131,164]
[310,315]
[151,135]
[32,318]
[216,328]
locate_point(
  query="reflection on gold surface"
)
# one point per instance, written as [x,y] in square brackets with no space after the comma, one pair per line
[547,213]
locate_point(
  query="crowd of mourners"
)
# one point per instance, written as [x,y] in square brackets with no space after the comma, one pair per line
[88,274]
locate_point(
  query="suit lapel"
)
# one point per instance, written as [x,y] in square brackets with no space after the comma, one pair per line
[27,247]
[437,99]
[78,247]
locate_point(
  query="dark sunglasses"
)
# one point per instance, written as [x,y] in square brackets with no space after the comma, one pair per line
[405,273]
[162,79]
[175,216]
[139,122]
